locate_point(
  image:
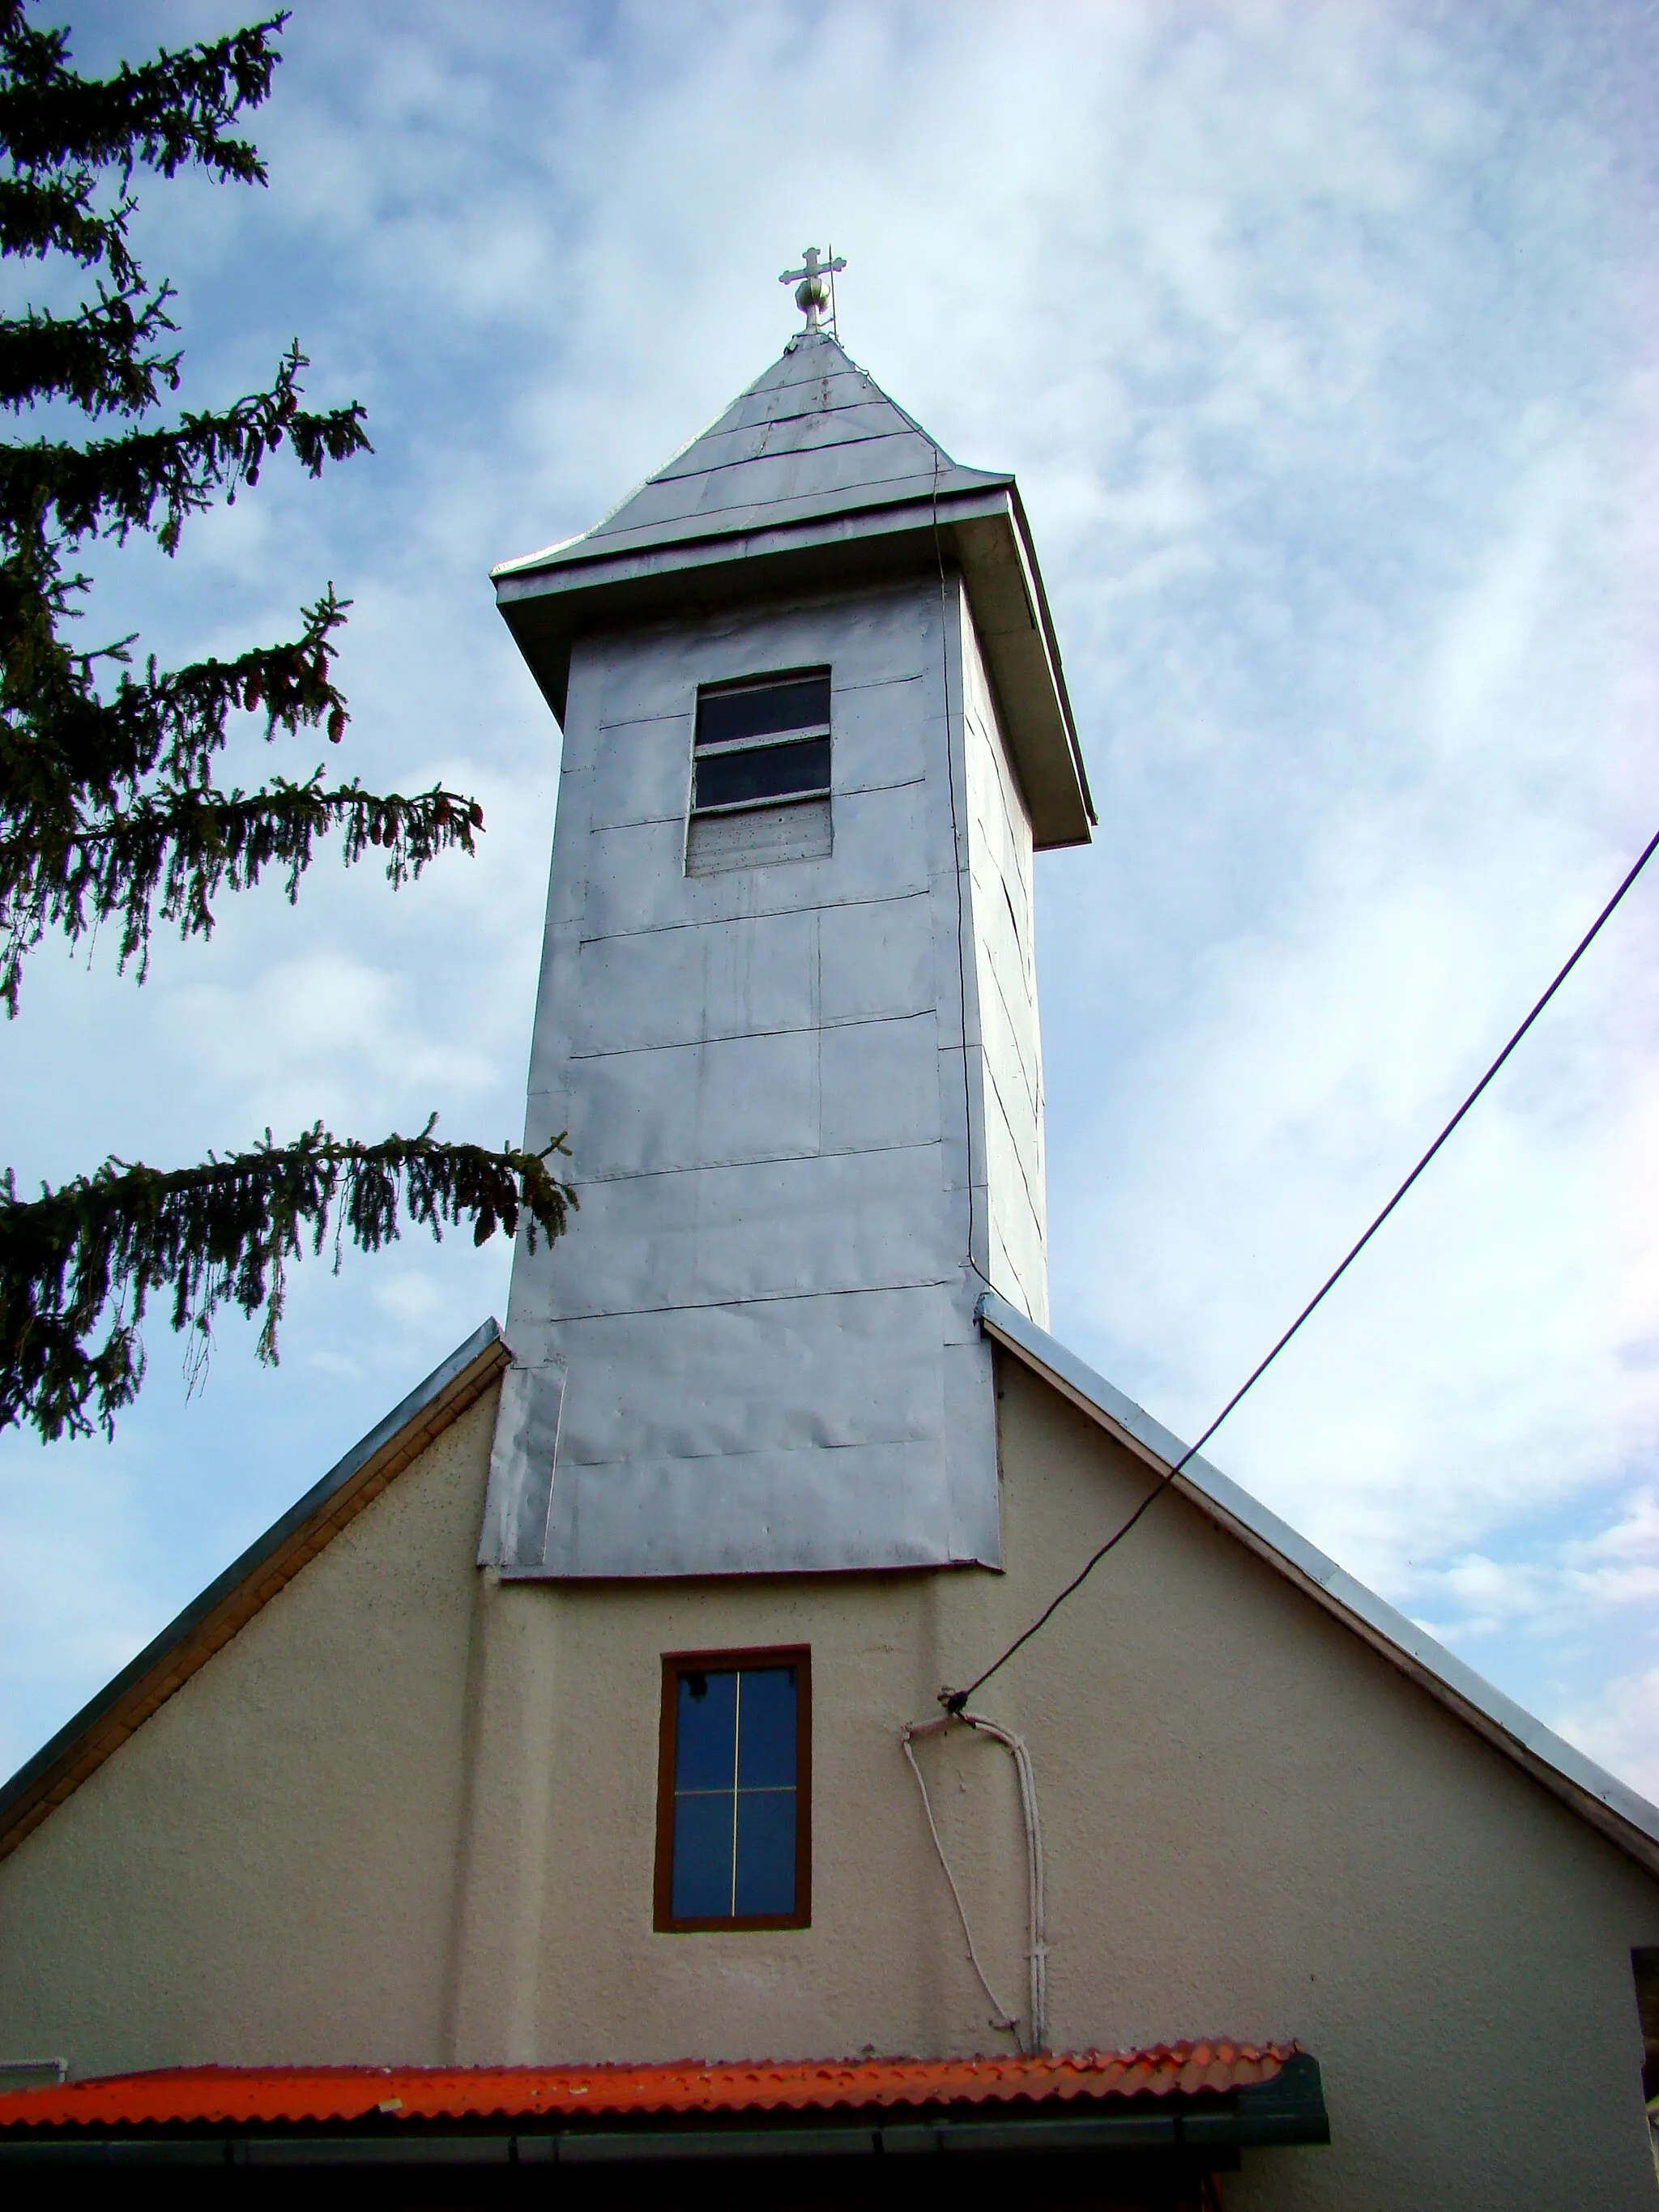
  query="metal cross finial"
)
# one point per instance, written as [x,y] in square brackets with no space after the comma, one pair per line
[813,287]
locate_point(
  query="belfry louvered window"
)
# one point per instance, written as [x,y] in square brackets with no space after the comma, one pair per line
[761,743]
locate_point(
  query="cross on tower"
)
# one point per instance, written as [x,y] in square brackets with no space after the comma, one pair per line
[813,288]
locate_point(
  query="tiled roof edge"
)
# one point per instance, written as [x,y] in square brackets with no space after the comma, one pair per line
[187,1642]
[693,2089]
[1626,1819]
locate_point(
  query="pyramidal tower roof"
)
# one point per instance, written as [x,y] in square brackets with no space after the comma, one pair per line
[814,478]
[811,436]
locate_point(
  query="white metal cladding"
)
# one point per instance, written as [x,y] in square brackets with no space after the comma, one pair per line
[1005,975]
[756,1351]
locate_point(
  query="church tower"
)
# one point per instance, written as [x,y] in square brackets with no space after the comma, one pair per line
[814,729]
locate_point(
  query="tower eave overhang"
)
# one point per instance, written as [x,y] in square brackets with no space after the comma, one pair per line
[548,600]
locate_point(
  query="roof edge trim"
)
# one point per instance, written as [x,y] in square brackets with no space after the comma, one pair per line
[1045,631]
[1610,1806]
[249,1584]
[730,526]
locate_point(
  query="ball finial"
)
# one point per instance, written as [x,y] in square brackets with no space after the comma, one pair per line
[813,291]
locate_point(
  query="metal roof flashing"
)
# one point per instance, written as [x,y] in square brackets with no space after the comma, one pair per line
[1626,1820]
[814,480]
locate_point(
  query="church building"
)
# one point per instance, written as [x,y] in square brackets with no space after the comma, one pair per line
[564,1782]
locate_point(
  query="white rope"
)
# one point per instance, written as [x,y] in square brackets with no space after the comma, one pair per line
[1036,1907]
[1005,2020]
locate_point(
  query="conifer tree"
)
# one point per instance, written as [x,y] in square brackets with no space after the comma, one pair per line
[111,811]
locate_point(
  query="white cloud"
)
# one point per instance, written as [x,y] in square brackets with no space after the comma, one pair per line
[1621,1730]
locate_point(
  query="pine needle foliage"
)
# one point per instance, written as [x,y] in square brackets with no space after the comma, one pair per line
[112,811]
[85,1259]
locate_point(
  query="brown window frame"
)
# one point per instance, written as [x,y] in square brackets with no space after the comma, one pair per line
[674,1664]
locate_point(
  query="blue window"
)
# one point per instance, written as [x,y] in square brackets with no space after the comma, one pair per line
[733,1817]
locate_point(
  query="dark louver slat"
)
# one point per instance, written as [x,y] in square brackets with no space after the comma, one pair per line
[794,771]
[802,703]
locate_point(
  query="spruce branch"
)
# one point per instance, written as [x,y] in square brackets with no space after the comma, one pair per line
[78,1265]
[95,358]
[164,114]
[59,132]
[52,488]
[108,805]
[170,853]
[63,745]
[58,215]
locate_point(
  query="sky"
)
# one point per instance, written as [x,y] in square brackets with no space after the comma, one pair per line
[1322,340]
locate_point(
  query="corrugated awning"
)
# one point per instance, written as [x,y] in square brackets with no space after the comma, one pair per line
[240,2097]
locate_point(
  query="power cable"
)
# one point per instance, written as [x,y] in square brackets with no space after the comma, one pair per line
[954,1700]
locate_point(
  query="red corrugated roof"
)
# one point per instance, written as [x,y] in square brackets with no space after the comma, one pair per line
[239,2096]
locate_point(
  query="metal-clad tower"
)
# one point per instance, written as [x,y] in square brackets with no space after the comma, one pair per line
[815,728]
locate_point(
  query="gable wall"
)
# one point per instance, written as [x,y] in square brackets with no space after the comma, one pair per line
[1254,1826]
[408,1814]
[1256,1823]
[264,1871]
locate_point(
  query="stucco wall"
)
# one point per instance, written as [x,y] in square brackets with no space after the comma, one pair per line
[408,1814]
[264,1870]
[1255,1826]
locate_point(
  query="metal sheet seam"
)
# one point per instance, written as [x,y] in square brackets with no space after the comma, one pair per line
[741,1037]
[818,520]
[757,913]
[655,820]
[845,444]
